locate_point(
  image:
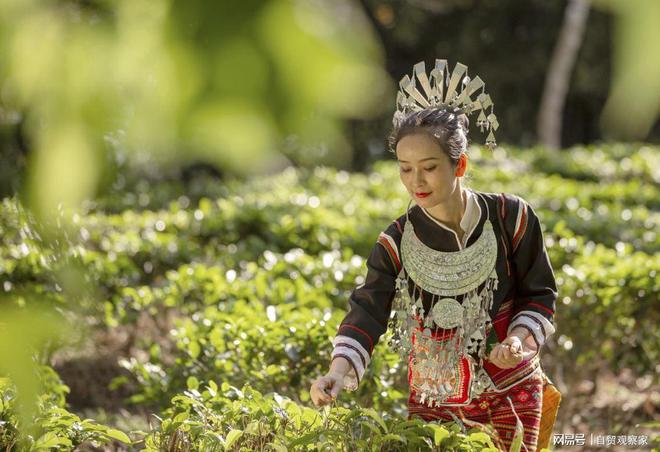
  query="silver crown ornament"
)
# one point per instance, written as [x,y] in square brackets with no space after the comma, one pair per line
[444,90]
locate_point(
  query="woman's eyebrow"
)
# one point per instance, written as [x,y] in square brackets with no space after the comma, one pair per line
[427,158]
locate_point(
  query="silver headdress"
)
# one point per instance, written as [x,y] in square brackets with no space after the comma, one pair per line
[440,90]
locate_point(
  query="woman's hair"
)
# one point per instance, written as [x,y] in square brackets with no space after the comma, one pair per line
[449,129]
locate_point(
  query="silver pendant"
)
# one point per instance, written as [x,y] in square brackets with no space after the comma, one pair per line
[447,313]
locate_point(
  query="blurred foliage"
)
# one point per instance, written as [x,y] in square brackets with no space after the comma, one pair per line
[633,105]
[26,334]
[185,81]
[53,427]
[226,83]
[616,63]
[223,84]
[600,284]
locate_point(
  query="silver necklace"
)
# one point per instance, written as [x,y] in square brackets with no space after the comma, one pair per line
[452,330]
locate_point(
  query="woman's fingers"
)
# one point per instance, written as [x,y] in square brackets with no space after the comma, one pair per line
[506,353]
[318,392]
[315,394]
[322,389]
[512,358]
[494,355]
[334,389]
[503,358]
[501,353]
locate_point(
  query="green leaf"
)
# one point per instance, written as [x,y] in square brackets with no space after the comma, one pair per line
[516,443]
[479,437]
[278,447]
[232,437]
[393,437]
[118,435]
[252,428]
[192,383]
[439,433]
[376,417]
[310,417]
[305,439]
[213,388]
[404,425]
[194,349]
[49,440]
[372,427]
[273,370]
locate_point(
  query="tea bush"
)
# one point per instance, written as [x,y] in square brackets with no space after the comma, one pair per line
[279,348]
[274,278]
[252,308]
[53,427]
[213,418]
[608,310]
[253,277]
[597,163]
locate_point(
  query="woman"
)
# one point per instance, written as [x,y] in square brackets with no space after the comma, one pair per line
[462,278]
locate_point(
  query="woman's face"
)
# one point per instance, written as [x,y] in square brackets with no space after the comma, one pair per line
[425,170]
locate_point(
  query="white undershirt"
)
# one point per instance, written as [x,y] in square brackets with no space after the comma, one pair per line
[469,220]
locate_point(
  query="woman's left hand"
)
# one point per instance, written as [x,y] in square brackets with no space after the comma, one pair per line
[508,353]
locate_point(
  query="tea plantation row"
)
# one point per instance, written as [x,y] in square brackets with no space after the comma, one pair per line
[256,276]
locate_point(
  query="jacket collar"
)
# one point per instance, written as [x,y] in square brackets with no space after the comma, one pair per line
[469,222]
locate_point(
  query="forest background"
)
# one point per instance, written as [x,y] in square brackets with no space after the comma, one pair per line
[175,175]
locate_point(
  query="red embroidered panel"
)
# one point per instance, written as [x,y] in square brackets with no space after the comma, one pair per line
[460,385]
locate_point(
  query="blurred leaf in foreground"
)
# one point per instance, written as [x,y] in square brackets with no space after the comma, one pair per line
[245,86]
[24,333]
[634,101]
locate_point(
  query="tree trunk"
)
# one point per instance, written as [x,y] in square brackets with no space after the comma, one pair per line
[557,80]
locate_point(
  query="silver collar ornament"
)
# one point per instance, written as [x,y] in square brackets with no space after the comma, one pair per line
[461,284]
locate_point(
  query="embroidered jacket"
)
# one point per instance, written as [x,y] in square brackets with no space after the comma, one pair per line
[525,296]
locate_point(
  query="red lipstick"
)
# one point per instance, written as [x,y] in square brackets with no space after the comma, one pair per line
[422,195]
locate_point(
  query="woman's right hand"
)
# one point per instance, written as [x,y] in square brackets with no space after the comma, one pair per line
[325,389]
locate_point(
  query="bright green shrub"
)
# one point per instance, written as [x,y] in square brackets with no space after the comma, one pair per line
[227,418]
[279,348]
[53,428]
[291,278]
[597,163]
[607,312]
